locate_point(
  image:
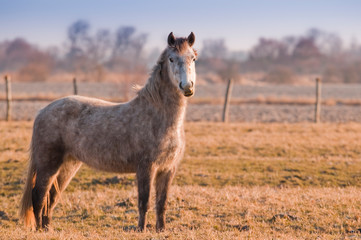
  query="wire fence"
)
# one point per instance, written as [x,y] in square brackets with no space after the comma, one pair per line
[212,102]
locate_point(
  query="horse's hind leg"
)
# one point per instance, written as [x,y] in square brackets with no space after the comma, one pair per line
[66,172]
[163,180]
[44,180]
[48,163]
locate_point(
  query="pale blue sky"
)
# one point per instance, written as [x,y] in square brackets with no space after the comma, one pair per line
[240,23]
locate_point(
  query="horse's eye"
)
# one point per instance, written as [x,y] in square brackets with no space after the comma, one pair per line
[171,59]
[194,59]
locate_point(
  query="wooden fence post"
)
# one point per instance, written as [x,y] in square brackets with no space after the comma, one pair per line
[227,100]
[75,86]
[318,101]
[8,97]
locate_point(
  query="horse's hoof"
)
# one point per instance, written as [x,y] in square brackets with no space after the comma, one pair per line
[139,229]
[160,228]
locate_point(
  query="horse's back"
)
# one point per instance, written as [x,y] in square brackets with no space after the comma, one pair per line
[72,105]
[69,108]
[62,116]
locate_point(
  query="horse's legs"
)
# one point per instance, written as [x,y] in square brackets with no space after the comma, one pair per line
[163,180]
[144,178]
[66,172]
[45,176]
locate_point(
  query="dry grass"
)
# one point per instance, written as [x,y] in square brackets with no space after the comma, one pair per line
[205,213]
[255,181]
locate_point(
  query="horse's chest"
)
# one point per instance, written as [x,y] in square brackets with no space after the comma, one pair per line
[171,149]
[172,144]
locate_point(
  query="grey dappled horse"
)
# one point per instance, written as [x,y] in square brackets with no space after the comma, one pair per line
[144,136]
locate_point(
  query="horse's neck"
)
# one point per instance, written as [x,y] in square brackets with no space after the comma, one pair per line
[174,103]
[167,102]
[176,113]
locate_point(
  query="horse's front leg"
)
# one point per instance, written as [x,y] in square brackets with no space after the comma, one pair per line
[144,178]
[163,181]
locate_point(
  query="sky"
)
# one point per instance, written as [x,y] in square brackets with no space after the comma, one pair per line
[240,23]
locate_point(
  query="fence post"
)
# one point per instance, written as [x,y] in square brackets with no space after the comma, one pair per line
[75,86]
[318,101]
[8,97]
[227,100]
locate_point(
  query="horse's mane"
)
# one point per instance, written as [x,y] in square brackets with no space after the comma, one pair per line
[151,89]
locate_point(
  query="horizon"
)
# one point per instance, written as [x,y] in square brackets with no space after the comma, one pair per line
[240,24]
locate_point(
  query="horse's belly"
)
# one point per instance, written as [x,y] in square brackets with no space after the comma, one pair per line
[110,165]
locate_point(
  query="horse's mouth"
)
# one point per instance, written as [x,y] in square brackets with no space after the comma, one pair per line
[188,94]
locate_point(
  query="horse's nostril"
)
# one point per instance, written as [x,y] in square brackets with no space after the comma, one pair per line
[192,83]
[180,86]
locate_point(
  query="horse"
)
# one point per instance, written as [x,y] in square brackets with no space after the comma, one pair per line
[144,136]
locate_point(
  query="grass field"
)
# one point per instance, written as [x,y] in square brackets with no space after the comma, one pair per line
[236,181]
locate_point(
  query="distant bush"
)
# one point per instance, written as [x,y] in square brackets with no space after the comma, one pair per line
[350,73]
[280,75]
[34,72]
[29,62]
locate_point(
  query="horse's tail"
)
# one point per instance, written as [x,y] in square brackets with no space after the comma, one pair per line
[26,205]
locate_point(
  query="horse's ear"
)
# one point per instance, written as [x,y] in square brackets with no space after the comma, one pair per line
[171,39]
[191,38]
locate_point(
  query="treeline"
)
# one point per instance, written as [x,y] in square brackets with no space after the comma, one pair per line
[89,55]
[99,55]
[317,52]
[288,59]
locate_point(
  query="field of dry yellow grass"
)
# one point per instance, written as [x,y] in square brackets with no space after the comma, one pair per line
[236,181]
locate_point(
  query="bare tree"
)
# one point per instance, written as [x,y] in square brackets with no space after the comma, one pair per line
[127,57]
[214,49]
[128,46]
[77,57]
[216,57]
[96,54]
[268,49]
[99,50]
[306,48]
[78,35]
[329,44]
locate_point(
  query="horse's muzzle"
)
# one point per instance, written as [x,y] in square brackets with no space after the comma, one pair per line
[188,91]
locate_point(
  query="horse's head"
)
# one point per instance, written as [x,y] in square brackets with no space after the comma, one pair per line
[180,59]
